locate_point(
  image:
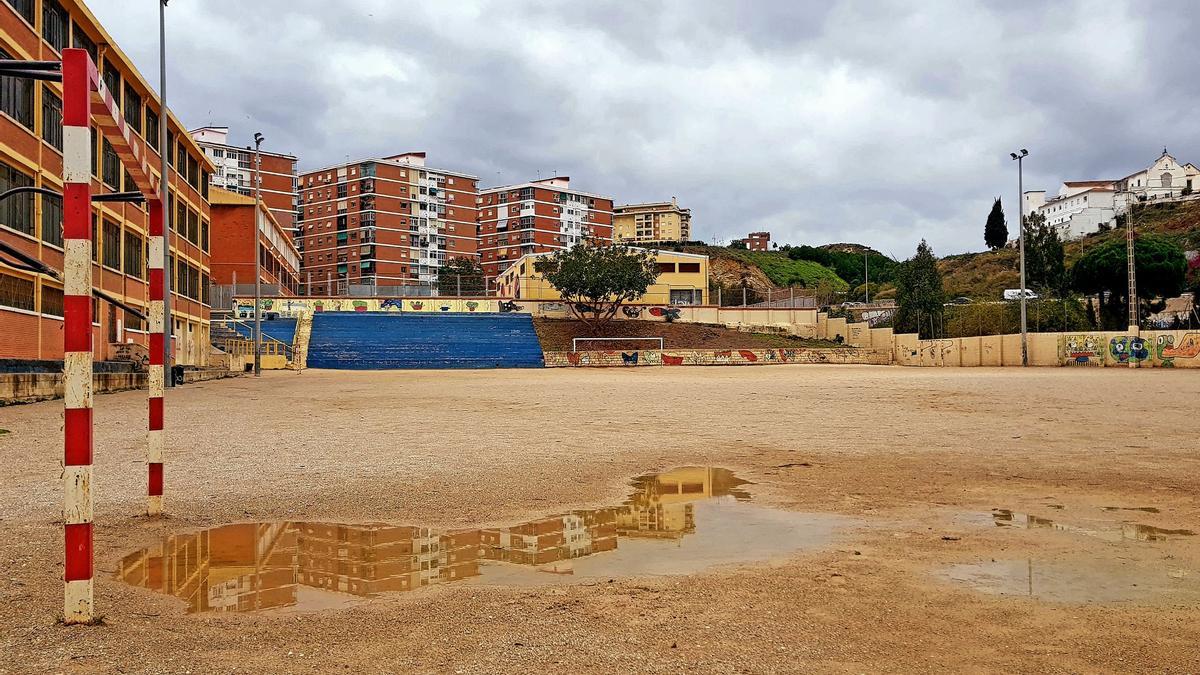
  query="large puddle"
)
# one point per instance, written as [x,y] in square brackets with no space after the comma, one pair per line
[1113,575]
[1081,580]
[678,522]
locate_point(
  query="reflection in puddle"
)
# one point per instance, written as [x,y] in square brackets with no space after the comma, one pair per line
[1084,580]
[677,522]
[1106,531]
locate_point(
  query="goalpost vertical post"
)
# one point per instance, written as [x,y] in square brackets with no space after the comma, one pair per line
[157,368]
[77,339]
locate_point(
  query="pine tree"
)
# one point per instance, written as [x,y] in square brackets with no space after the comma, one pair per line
[995,232]
[920,298]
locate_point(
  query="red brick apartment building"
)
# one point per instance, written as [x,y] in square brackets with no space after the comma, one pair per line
[233,227]
[758,241]
[235,169]
[543,215]
[383,223]
[31,135]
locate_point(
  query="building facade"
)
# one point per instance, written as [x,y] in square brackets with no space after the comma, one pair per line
[650,223]
[383,223]
[1083,207]
[538,217]
[235,168]
[232,263]
[682,280]
[757,241]
[31,141]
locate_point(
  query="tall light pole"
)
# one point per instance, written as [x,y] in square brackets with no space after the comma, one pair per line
[164,122]
[867,276]
[1020,157]
[258,139]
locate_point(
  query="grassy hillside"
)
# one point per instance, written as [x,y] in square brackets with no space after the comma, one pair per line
[784,272]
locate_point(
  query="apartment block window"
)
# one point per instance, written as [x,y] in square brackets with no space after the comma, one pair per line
[52,131]
[152,128]
[25,8]
[134,253]
[16,97]
[52,301]
[16,212]
[111,250]
[55,23]
[52,219]
[81,40]
[16,292]
[204,235]
[110,166]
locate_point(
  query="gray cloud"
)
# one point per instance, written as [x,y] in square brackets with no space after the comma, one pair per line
[879,122]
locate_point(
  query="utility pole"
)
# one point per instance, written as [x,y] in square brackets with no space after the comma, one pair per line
[867,275]
[1021,224]
[1131,262]
[258,139]
[164,153]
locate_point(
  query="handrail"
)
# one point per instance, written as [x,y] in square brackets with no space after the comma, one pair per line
[614,339]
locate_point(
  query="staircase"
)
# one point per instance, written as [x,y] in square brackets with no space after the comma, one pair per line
[359,341]
[300,342]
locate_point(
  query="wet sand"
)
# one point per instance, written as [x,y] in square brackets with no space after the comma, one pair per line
[916,459]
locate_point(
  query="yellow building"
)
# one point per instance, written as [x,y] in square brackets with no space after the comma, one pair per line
[682,280]
[643,223]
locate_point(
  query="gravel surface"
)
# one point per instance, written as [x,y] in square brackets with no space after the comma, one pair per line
[917,457]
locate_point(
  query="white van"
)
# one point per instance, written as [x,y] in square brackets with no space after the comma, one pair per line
[1015,294]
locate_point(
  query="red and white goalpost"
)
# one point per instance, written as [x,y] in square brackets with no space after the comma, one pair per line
[86,99]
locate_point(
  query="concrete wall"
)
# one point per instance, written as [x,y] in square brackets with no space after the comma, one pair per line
[719,357]
[31,387]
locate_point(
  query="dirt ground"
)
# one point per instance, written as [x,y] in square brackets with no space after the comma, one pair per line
[556,335]
[918,457]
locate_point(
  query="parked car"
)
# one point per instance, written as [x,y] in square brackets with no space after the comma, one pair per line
[1015,294]
[961,300]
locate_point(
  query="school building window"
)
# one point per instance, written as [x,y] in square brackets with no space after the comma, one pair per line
[16,292]
[17,211]
[16,97]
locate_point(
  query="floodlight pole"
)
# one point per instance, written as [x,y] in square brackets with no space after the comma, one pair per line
[1021,239]
[258,139]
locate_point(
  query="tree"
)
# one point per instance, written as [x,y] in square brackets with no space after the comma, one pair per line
[919,294]
[738,244]
[1045,268]
[995,231]
[461,276]
[596,279]
[1160,266]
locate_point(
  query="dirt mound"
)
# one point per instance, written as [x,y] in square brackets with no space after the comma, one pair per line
[556,335]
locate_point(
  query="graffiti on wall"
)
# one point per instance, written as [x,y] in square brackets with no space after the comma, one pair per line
[723,357]
[670,314]
[1082,349]
[1167,351]
[506,306]
[1128,349]
[631,311]
[137,354]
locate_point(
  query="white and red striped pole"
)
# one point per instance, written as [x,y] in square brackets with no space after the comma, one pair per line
[77,339]
[158,331]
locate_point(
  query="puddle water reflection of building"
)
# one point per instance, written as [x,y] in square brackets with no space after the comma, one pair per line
[313,565]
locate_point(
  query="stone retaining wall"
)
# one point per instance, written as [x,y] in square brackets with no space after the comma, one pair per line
[33,387]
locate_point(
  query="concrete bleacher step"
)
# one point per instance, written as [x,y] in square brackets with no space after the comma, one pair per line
[362,341]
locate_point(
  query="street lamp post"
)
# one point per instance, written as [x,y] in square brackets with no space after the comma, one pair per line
[258,139]
[1020,157]
[164,186]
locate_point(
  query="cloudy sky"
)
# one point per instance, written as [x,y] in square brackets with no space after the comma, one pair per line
[875,122]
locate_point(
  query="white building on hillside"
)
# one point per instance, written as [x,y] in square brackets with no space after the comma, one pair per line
[1082,207]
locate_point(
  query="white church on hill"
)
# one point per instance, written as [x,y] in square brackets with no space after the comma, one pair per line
[1082,207]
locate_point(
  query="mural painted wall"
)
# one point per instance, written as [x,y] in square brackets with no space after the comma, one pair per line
[291,307]
[718,357]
